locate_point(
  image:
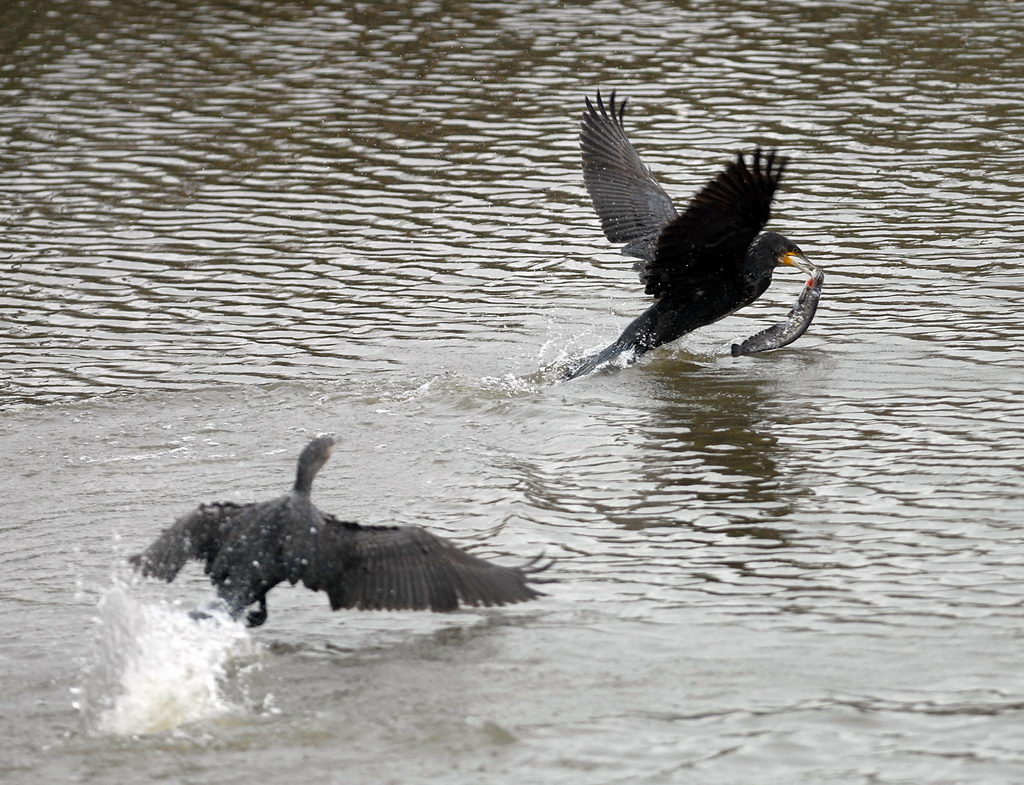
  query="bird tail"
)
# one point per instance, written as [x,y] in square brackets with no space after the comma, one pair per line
[643,333]
[591,363]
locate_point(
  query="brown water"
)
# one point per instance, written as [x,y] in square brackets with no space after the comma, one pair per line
[229,226]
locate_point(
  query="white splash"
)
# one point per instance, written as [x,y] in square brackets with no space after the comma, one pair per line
[154,668]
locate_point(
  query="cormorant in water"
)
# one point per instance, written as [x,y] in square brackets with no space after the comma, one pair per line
[250,548]
[701,265]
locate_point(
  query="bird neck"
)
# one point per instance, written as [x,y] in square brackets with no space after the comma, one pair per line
[304,477]
[756,274]
[311,460]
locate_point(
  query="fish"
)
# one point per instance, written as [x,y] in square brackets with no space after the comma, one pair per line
[784,333]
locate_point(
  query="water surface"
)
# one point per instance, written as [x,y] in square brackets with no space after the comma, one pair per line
[231,226]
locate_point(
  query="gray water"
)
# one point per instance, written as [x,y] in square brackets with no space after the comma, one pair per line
[230,226]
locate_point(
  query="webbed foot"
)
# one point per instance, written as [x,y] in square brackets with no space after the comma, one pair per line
[257,617]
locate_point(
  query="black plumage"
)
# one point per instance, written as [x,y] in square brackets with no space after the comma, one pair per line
[703,264]
[250,548]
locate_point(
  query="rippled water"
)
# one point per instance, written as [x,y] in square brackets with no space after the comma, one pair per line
[228,226]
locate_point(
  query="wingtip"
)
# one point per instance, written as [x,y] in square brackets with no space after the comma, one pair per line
[141,563]
[773,162]
[538,564]
[609,110]
[780,163]
[760,163]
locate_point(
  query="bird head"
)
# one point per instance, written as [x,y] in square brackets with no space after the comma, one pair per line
[313,456]
[784,252]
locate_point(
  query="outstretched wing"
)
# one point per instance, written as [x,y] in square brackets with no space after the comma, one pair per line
[406,567]
[632,207]
[197,535]
[719,224]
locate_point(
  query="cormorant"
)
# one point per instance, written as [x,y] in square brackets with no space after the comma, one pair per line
[701,265]
[250,548]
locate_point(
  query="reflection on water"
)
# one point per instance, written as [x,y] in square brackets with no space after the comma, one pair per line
[228,226]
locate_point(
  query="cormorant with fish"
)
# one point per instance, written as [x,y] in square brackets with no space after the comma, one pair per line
[703,264]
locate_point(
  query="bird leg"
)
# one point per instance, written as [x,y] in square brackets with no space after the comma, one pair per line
[253,619]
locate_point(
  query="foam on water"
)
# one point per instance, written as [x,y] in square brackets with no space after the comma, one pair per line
[154,668]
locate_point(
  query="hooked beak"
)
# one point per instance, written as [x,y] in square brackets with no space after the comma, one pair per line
[800,262]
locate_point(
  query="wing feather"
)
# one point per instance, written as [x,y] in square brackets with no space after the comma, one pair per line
[719,224]
[632,206]
[197,535]
[408,568]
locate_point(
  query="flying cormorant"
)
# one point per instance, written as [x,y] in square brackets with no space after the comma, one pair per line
[250,548]
[701,265]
